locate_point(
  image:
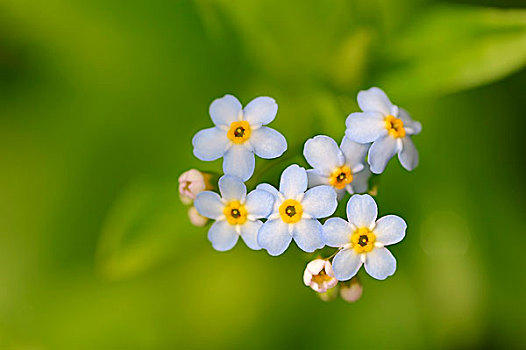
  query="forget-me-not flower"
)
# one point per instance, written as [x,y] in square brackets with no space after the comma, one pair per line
[295,213]
[385,125]
[236,214]
[238,134]
[341,167]
[362,239]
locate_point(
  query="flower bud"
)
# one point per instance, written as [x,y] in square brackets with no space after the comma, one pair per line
[351,291]
[319,275]
[195,218]
[192,182]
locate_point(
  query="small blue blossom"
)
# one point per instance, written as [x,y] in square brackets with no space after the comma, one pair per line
[295,213]
[342,167]
[362,239]
[236,214]
[385,125]
[238,134]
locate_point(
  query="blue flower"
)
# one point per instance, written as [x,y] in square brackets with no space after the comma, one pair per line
[385,125]
[362,239]
[238,134]
[295,213]
[236,214]
[341,167]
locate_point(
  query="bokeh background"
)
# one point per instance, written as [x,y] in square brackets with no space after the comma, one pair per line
[98,104]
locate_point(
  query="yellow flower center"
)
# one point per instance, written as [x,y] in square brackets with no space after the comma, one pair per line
[341,177]
[239,132]
[236,213]
[362,240]
[394,126]
[321,277]
[290,211]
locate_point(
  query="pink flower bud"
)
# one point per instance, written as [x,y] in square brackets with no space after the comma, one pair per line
[192,182]
[319,275]
[351,291]
[195,218]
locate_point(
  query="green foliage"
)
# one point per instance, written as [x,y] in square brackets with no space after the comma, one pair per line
[99,101]
[450,48]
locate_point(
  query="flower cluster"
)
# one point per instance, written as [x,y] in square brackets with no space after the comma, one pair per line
[270,217]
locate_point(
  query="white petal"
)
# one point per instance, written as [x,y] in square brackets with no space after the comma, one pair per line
[320,201]
[409,155]
[249,233]
[411,126]
[293,181]
[346,264]
[360,180]
[225,110]
[316,179]
[354,152]
[259,203]
[390,229]
[261,110]
[222,235]
[323,154]
[210,144]
[380,263]
[362,210]
[365,127]
[336,232]
[239,161]
[381,152]
[268,143]
[274,237]
[307,235]
[209,204]
[374,100]
[232,188]
[315,266]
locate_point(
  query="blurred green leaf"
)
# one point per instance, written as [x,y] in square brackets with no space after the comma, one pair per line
[143,228]
[452,48]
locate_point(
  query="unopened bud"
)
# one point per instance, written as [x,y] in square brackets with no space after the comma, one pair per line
[195,218]
[352,290]
[319,275]
[192,182]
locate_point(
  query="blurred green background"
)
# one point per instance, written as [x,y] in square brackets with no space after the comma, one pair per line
[99,101]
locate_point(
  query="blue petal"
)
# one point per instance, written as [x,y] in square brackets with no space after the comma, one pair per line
[225,110]
[261,110]
[293,181]
[346,264]
[336,232]
[390,229]
[249,233]
[259,203]
[268,143]
[323,154]
[409,155]
[232,188]
[380,263]
[362,210]
[375,100]
[239,161]
[354,152]
[307,235]
[320,201]
[274,237]
[381,152]
[360,180]
[209,204]
[210,144]
[365,127]
[222,235]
